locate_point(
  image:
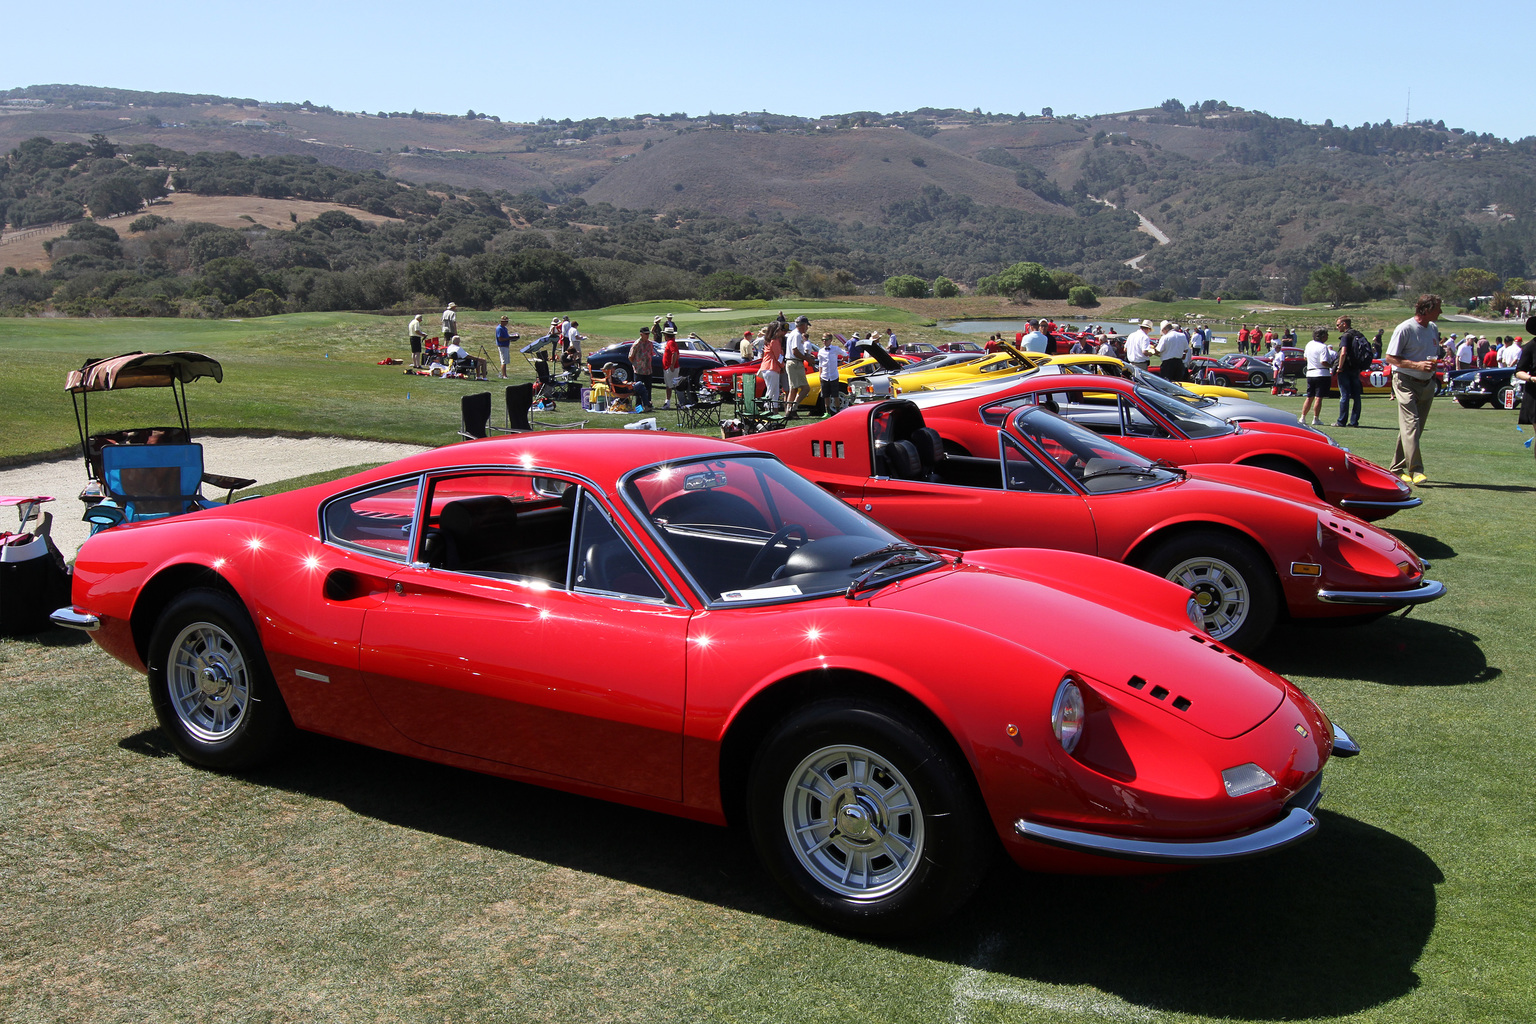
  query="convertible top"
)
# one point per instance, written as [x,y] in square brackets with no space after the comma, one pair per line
[142,370]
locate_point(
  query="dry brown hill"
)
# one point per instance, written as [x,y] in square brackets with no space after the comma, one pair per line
[843,175]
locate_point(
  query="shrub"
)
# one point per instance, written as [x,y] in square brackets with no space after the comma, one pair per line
[944,288]
[906,286]
[1083,295]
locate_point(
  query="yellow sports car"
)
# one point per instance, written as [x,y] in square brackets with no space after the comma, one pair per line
[988,367]
[1093,363]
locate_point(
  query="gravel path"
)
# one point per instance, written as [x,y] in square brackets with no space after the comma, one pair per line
[268,459]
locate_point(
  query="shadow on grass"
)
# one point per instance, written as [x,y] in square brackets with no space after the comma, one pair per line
[1425,546]
[58,636]
[1331,927]
[1394,651]
[1509,488]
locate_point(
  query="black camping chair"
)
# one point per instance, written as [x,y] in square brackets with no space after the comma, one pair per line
[695,409]
[475,415]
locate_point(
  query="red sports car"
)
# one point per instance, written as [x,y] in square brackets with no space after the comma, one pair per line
[1164,429]
[1254,546]
[685,625]
[1233,370]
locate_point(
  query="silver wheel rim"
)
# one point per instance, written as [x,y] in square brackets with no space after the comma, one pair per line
[209,682]
[1221,592]
[854,822]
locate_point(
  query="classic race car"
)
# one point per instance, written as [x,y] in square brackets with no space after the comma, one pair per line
[1151,424]
[1234,370]
[1473,389]
[684,625]
[1251,544]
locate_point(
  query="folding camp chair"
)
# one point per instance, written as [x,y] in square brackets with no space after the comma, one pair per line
[142,482]
[754,417]
[696,410]
[475,415]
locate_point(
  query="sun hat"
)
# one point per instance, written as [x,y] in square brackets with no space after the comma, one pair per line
[1146,325]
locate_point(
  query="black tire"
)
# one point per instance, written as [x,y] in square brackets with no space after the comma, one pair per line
[210,684]
[1230,577]
[1256,380]
[921,804]
[1289,467]
[1471,403]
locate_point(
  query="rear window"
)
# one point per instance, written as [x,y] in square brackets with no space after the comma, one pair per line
[377,521]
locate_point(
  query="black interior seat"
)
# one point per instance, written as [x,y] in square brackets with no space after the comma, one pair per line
[903,462]
[480,534]
[930,451]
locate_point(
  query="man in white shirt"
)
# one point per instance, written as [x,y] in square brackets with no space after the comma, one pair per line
[1035,340]
[1319,373]
[417,334]
[827,362]
[450,322]
[1509,355]
[798,339]
[1139,346]
[1466,353]
[1174,346]
[1412,352]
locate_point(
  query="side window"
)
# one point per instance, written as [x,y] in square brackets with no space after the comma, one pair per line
[604,560]
[1138,423]
[377,521]
[1021,472]
[499,524]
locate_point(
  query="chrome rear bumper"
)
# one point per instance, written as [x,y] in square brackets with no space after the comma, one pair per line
[74,618]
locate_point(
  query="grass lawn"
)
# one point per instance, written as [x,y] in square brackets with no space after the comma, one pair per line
[346,884]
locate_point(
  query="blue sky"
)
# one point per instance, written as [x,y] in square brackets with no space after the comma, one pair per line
[1344,60]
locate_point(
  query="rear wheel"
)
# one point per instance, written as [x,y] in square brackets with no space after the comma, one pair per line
[210,685]
[1256,380]
[866,819]
[1231,581]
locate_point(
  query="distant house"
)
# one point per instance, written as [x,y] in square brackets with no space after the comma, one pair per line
[250,122]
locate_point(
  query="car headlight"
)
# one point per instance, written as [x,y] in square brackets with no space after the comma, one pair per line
[1067,714]
[1245,779]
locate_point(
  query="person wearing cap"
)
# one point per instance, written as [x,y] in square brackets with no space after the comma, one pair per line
[1466,352]
[671,361]
[1174,348]
[641,359]
[745,345]
[417,335]
[1411,352]
[503,345]
[450,322]
[799,337]
[796,382]
[1139,346]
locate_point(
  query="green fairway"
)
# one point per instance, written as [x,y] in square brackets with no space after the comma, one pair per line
[348,885]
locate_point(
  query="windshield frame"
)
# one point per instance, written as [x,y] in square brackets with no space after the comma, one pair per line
[1191,421]
[1079,440]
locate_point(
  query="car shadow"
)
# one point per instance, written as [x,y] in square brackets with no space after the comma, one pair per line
[58,636]
[1425,546]
[1330,927]
[1393,651]
[1449,485]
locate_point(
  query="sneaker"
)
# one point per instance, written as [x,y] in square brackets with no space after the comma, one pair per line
[1406,478]
[1316,422]
[666,404]
[1419,478]
[1340,424]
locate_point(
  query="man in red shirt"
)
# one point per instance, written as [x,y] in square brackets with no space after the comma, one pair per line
[670,363]
[1242,340]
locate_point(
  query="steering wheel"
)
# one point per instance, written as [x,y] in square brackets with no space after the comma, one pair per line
[780,536]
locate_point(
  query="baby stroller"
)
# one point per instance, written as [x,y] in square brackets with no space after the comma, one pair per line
[564,386]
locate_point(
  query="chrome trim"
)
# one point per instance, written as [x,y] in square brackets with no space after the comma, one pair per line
[1399,505]
[316,676]
[1297,824]
[1344,744]
[1429,590]
[72,618]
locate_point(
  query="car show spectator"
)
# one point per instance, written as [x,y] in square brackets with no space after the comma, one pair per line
[1412,353]
[1466,352]
[1034,340]
[1319,370]
[771,369]
[745,345]
[417,336]
[1139,346]
[1351,360]
[1509,355]
[671,363]
[831,385]
[1525,372]
[450,322]
[1173,347]
[641,362]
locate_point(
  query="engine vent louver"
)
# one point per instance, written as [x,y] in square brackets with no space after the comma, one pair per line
[1159,693]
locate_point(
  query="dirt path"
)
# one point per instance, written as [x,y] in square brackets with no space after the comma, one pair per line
[268,459]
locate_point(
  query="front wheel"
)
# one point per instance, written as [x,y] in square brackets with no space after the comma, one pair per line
[210,685]
[866,819]
[1231,581]
[1256,380]
[1471,403]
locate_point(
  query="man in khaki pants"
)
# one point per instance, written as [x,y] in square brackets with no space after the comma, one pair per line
[1414,347]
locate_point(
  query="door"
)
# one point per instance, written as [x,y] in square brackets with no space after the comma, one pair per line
[576,671]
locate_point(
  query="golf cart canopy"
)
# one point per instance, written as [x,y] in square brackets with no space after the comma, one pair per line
[142,370]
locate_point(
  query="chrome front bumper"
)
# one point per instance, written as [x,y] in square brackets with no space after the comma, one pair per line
[74,618]
[1429,590]
[1298,823]
[1365,505]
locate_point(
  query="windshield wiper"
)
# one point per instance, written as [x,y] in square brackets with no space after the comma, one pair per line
[1170,467]
[870,556]
[1121,471]
[865,580]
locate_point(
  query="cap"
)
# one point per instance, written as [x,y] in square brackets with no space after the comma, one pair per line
[802,319]
[747,333]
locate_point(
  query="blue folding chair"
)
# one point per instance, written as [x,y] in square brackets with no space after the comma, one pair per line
[142,482]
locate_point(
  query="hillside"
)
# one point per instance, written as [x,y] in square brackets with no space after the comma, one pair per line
[1250,204]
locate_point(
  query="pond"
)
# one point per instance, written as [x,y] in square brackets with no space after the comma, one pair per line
[1008,328]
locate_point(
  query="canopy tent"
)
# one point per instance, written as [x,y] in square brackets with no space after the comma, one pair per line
[142,370]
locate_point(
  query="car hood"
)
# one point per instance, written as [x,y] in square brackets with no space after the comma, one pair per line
[1246,409]
[1201,682]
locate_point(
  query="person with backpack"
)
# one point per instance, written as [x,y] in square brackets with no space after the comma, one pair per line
[1354,358]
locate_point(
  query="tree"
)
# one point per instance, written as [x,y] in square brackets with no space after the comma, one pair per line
[231,278]
[906,286]
[117,194]
[944,288]
[1470,281]
[1128,288]
[1333,284]
[100,147]
[1045,112]
[1083,295]
[1030,279]
[730,286]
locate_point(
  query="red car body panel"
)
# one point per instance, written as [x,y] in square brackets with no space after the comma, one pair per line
[1348,481]
[632,701]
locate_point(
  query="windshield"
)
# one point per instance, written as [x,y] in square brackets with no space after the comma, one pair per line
[1193,422]
[1099,465]
[1166,387]
[747,529]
